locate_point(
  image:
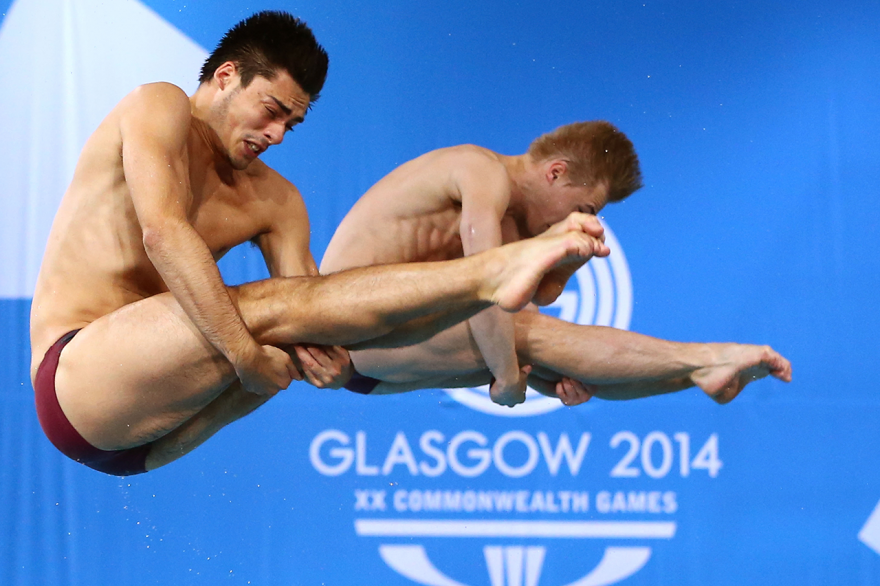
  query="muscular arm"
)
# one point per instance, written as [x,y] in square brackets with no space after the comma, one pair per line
[485,195]
[285,247]
[154,127]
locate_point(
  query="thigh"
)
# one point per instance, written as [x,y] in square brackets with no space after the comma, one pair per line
[475,378]
[137,373]
[452,355]
[449,353]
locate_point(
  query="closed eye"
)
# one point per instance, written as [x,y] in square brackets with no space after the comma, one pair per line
[273,114]
[287,112]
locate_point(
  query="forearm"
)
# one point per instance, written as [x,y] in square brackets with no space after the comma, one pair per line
[493,331]
[185,264]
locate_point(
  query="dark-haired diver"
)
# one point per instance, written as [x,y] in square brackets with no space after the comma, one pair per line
[140,352]
[465,200]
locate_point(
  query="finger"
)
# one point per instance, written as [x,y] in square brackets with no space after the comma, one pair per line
[295,370]
[336,351]
[589,391]
[601,249]
[582,390]
[335,362]
[306,359]
[587,223]
[341,356]
[575,394]
[576,391]
[314,372]
[565,392]
[561,392]
[292,370]
[592,225]
[337,355]
[304,355]
[320,355]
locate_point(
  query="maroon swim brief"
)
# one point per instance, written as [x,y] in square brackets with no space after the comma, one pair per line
[63,435]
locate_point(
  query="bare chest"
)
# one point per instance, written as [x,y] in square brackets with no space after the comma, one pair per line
[224,214]
[377,232]
[223,225]
[431,237]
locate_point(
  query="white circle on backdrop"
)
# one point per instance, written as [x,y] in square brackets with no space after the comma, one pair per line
[600,294]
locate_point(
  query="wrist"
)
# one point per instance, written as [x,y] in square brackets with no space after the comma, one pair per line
[244,354]
[507,376]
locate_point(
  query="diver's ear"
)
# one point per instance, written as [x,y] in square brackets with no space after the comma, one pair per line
[225,74]
[556,170]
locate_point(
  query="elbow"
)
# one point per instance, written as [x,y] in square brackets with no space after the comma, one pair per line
[152,238]
[156,236]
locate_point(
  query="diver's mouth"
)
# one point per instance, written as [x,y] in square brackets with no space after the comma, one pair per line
[254,148]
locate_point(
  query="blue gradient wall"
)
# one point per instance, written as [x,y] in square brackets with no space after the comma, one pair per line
[757,125]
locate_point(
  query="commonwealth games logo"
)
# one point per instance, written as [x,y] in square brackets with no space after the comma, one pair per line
[517,564]
[599,294]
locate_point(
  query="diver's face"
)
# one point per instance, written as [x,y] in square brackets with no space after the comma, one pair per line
[559,197]
[250,119]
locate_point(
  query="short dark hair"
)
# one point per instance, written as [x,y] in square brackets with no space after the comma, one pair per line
[266,42]
[595,152]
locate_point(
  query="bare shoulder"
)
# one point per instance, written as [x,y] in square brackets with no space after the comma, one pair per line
[280,198]
[477,172]
[155,104]
[159,94]
[475,164]
[469,157]
[271,183]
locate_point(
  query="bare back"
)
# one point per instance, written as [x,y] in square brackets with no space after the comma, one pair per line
[414,213]
[95,261]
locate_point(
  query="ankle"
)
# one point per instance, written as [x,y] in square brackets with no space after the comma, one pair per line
[490,267]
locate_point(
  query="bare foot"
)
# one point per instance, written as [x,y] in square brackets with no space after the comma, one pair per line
[578,222]
[522,265]
[553,283]
[737,365]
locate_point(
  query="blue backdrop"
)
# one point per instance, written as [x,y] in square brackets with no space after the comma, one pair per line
[758,128]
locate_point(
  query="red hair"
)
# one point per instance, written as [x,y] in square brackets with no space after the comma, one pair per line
[596,152]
